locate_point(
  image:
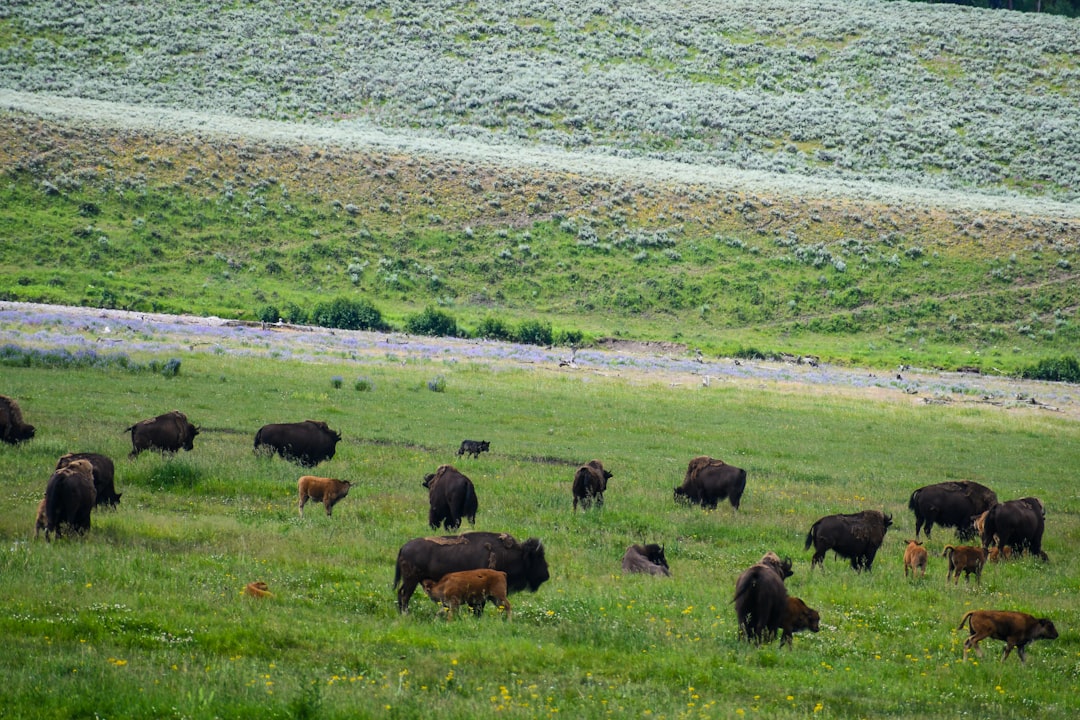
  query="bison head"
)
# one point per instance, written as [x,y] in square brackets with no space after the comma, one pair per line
[536,567]
[427,480]
[655,554]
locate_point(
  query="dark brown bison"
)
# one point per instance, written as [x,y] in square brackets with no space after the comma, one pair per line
[470,587]
[104,472]
[797,616]
[647,559]
[473,447]
[950,504]
[965,559]
[306,443]
[451,497]
[1017,629]
[761,597]
[431,558]
[12,428]
[856,536]
[1018,524]
[328,491]
[69,498]
[590,482]
[708,481]
[165,433]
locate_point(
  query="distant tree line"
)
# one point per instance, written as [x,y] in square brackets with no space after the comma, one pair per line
[1053,7]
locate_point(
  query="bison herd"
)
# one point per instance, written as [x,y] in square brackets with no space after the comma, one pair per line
[477,567]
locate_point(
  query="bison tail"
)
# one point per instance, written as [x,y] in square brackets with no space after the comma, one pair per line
[913,499]
[810,536]
[965,619]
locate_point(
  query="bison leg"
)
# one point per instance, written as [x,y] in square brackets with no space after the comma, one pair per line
[405,593]
[818,559]
[329,506]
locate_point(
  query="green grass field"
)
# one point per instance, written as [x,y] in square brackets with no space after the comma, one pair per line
[144,616]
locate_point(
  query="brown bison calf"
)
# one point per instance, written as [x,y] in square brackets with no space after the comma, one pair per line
[258,589]
[1017,629]
[795,617]
[999,555]
[915,557]
[471,587]
[967,559]
[328,491]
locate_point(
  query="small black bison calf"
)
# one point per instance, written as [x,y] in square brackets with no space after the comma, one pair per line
[473,447]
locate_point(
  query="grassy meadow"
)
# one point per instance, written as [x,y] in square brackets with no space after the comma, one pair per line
[144,616]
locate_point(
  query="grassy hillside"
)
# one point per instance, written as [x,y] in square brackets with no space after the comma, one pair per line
[144,617]
[228,227]
[917,107]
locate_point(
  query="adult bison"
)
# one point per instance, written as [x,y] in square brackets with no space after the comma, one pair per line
[648,559]
[431,558]
[708,481]
[856,536]
[451,497]
[307,443]
[590,483]
[69,498]
[761,597]
[950,504]
[12,428]
[165,433]
[1018,524]
[104,474]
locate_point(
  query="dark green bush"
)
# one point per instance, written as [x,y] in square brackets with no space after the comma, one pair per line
[533,332]
[1063,369]
[268,314]
[493,328]
[293,313]
[432,321]
[568,337]
[348,314]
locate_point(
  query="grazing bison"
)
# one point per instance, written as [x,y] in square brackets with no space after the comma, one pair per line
[647,559]
[328,491]
[12,428]
[433,557]
[708,481]
[104,472]
[797,616]
[473,447]
[471,587]
[165,433]
[306,443]
[451,497]
[1018,524]
[590,482]
[856,536]
[69,498]
[761,597]
[915,557]
[967,559]
[1017,629]
[950,504]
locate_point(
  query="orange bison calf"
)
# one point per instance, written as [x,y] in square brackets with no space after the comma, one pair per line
[967,559]
[471,587]
[328,491]
[797,616]
[915,558]
[1017,629]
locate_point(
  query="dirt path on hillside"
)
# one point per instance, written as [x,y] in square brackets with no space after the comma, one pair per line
[667,365]
[94,113]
